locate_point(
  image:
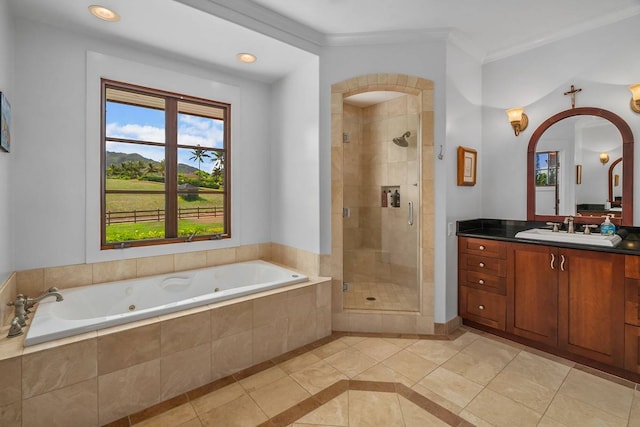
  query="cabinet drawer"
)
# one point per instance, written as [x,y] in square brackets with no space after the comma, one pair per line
[483,307]
[632,266]
[482,264]
[487,248]
[484,281]
[632,301]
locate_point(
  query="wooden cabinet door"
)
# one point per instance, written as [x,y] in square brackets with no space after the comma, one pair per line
[532,308]
[591,315]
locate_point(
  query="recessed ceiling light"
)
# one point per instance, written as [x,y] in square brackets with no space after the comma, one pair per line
[104,13]
[247,58]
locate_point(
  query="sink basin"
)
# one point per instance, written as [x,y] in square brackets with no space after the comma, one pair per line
[564,237]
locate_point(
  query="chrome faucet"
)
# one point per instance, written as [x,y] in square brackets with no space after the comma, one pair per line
[51,292]
[569,221]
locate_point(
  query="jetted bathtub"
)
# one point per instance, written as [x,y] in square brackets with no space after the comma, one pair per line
[89,308]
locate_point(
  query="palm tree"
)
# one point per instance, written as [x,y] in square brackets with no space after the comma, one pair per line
[200,155]
[151,168]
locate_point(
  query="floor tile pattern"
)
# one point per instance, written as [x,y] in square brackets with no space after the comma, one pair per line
[349,380]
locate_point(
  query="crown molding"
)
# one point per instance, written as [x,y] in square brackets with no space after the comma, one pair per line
[260,19]
[386,37]
[601,21]
[467,45]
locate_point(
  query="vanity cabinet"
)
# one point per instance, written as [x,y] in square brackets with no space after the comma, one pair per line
[568,299]
[632,314]
[482,277]
[533,312]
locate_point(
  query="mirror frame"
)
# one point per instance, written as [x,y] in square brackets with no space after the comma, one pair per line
[627,172]
[610,181]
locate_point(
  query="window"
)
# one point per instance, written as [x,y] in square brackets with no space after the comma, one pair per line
[165,167]
[547,167]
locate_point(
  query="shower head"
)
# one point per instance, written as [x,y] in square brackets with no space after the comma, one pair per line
[402,140]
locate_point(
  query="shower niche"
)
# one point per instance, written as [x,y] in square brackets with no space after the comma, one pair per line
[381,189]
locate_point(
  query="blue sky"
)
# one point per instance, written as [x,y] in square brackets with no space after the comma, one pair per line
[139,123]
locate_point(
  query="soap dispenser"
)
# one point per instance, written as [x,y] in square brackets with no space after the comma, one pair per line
[607,228]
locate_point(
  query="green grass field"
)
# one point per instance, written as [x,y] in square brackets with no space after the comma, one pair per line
[142,202]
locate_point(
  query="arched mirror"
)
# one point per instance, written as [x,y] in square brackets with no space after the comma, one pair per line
[571,171]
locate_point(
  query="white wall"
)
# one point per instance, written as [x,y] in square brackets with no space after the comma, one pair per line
[49,162]
[463,128]
[6,159]
[295,185]
[602,62]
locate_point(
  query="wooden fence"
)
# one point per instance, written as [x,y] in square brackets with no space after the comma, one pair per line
[120,217]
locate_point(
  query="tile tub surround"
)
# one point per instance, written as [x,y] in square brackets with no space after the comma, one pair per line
[401,322]
[34,282]
[99,377]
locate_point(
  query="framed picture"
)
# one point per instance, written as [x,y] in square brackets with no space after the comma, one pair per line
[467,166]
[5,123]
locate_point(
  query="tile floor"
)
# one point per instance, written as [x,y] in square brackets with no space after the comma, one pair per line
[472,378]
[388,296]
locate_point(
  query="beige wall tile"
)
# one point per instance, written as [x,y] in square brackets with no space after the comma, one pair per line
[264,251]
[231,354]
[301,314]
[52,369]
[150,266]
[127,391]
[111,271]
[247,253]
[270,340]
[221,256]
[190,260]
[68,276]
[185,332]
[339,322]
[323,322]
[11,415]
[30,282]
[307,262]
[267,309]
[11,389]
[127,348]
[365,322]
[398,323]
[185,370]
[75,405]
[231,319]
[7,295]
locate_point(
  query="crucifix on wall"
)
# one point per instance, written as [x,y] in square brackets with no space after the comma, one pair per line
[573,93]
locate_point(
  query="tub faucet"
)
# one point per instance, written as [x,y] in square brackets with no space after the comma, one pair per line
[51,292]
[20,310]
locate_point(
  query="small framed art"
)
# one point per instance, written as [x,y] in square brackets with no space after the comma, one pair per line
[467,166]
[5,123]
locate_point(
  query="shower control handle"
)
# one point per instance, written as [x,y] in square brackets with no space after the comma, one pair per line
[410,221]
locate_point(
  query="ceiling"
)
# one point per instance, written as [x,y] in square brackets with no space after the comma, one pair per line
[212,32]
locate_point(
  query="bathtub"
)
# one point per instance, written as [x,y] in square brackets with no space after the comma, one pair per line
[89,308]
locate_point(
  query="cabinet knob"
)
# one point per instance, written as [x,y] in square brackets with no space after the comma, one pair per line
[482,247]
[481,307]
[481,281]
[481,265]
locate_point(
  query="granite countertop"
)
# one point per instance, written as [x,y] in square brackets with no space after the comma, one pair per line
[505,230]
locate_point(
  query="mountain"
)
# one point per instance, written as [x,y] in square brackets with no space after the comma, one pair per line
[120,158]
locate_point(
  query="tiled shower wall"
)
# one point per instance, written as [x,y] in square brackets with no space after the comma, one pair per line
[402,322]
[379,244]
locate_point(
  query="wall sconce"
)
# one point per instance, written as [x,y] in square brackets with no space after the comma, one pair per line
[635,97]
[518,119]
[604,158]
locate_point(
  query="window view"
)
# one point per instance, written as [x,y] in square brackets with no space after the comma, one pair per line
[164,167]
[547,167]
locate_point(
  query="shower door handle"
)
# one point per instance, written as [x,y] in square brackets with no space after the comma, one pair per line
[410,221]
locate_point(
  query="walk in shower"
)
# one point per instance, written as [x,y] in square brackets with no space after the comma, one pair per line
[381,199]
